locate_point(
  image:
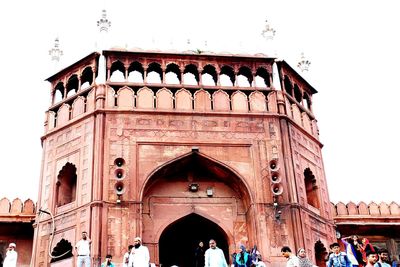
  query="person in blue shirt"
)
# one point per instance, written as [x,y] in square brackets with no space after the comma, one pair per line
[108,262]
[338,258]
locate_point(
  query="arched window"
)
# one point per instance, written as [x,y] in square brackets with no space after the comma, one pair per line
[209,75]
[66,185]
[190,75]
[86,78]
[262,78]
[117,72]
[288,86]
[58,93]
[154,73]
[297,93]
[244,77]
[311,188]
[172,74]
[227,76]
[135,73]
[72,85]
[63,250]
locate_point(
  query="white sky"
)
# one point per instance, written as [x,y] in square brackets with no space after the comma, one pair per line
[353,46]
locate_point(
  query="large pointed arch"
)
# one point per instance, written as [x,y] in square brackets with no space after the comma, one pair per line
[222,171]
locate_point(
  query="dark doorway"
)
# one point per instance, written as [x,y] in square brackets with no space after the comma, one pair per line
[320,254]
[180,239]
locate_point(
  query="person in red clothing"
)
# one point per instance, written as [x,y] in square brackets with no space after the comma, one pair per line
[366,248]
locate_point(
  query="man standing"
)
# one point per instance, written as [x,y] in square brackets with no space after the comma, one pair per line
[11,256]
[214,256]
[127,254]
[383,254]
[83,251]
[292,260]
[140,256]
[372,258]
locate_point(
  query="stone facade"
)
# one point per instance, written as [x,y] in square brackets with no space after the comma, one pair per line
[209,143]
[16,219]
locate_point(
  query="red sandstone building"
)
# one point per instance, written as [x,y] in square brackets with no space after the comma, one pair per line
[177,148]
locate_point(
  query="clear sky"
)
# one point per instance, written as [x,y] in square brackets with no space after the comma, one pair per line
[353,46]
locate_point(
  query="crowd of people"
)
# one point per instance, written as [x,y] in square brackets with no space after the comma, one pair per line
[357,253]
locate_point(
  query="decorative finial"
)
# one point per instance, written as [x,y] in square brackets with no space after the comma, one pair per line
[303,64]
[104,24]
[268,33]
[56,52]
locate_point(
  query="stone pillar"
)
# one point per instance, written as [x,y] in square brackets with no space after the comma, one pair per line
[97,181]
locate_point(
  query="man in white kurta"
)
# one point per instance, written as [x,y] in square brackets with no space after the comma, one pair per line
[140,256]
[214,256]
[11,256]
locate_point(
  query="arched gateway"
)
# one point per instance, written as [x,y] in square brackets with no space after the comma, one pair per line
[193,198]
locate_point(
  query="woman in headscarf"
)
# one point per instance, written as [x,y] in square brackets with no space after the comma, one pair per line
[366,248]
[243,258]
[303,260]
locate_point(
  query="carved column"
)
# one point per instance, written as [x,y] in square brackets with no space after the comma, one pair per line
[145,74]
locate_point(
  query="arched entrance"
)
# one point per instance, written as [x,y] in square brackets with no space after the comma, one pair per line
[179,240]
[190,198]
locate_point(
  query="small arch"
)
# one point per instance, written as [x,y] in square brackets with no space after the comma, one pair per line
[86,78]
[191,75]
[258,101]
[172,74]
[135,72]
[202,100]
[145,98]
[58,92]
[63,114]
[183,100]
[239,102]
[62,250]
[72,85]
[262,78]
[78,107]
[297,93]
[221,101]
[307,101]
[66,185]
[125,98]
[227,76]
[311,188]
[164,99]
[117,72]
[244,77]
[209,75]
[288,86]
[154,73]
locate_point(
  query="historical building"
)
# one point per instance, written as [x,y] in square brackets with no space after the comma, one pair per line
[16,219]
[380,223]
[177,148]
